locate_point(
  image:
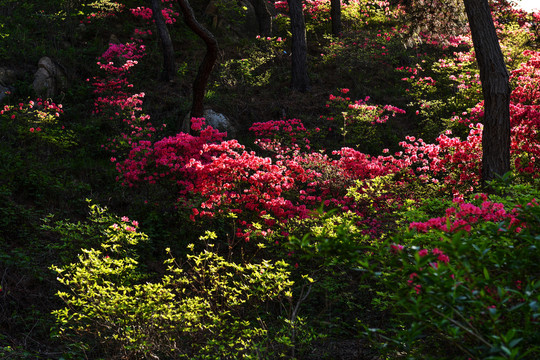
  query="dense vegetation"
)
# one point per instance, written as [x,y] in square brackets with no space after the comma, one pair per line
[346,222]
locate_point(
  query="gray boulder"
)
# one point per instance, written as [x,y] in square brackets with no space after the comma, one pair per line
[7,76]
[49,79]
[216,120]
[113,39]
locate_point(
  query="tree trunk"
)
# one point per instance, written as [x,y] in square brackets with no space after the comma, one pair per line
[335,13]
[169,67]
[199,85]
[300,79]
[263,17]
[495,89]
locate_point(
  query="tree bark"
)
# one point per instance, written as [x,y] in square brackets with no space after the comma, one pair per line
[199,85]
[169,67]
[263,17]
[335,13]
[300,79]
[495,89]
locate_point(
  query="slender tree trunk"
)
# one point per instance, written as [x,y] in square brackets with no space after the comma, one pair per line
[263,17]
[169,67]
[495,89]
[335,13]
[300,79]
[199,85]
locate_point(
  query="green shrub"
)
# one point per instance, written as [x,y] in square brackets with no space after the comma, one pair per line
[256,68]
[472,293]
[205,308]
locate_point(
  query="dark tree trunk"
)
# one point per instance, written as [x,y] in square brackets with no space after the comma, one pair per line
[495,89]
[335,13]
[169,67]
[300,79]
[199,85]
[264,17]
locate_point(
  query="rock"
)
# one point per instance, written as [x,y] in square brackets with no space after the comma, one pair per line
[113,39]
[44,84]
[216,120]
[7,76]
[49,80]
[46,63]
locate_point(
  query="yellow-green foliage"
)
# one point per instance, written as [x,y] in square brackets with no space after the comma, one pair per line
[3,34]
[98,5]
[370,190]
[105,5]
[390,191]
[256,67]
[207,307]
[329,227]
[330,238]
[514,40]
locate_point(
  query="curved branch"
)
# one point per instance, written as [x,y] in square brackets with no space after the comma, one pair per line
[199,85]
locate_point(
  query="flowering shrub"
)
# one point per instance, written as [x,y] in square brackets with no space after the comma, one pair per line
[36,120]
[454,78]
[282,136]
[227,177]
[357,121]
[464,215]
[467,277]
[525,115]
[145,13]
[451,161]
[168,157]
[115,103]
[224,178]
[213,177]
[457,162]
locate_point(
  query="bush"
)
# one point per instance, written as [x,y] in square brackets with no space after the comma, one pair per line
[466,281]
[204,309]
